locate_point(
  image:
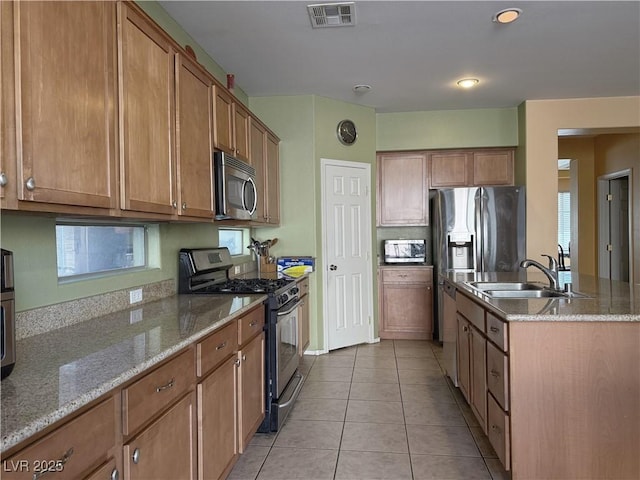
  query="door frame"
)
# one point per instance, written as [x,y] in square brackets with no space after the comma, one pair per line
[324,162]
[604,216]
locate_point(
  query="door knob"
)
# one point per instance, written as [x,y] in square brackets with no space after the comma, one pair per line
[333,267]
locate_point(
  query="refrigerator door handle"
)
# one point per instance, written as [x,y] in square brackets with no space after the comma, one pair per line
[479,233]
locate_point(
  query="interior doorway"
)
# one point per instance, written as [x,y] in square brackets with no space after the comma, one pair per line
[615,256]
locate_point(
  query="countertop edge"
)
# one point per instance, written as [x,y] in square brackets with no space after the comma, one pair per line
[32,428]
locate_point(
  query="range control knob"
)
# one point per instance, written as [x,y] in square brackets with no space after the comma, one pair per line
[294,290]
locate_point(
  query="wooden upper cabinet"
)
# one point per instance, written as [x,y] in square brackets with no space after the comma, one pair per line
[265,158]
[450,169]
[403,189]
[467,168]
[65,75]
[493,167]
[194,146]
[272,201]
[223,119]
[7,110]
[147,115]
[231,124]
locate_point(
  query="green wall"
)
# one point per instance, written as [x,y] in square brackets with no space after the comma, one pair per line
[490,127]
[33,241]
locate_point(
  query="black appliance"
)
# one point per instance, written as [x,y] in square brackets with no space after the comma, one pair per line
[7,313]
[206,271]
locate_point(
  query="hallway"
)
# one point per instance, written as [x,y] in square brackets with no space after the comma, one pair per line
[375,411]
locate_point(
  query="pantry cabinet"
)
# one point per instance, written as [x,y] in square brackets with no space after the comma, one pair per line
[63,59]
[471,167]
[147,112]
[406,302]
[193,133]
[403,189]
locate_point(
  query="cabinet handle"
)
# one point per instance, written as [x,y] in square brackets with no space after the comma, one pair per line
[114,474]
[495,373]
[30,184]
[222,345]
[244,358]
[496,429]
[3,179]
[494,329]
[136,456]
[166,387]
[237,362]
[174,204]
[57,466]
[253,324]
[465,328]
[184,205]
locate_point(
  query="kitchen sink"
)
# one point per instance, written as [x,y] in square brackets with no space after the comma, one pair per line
[520,290]
[509,286]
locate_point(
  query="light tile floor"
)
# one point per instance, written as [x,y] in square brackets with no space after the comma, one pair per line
[378,411]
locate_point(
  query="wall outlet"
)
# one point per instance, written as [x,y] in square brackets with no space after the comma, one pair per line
[236,269]
[135,296]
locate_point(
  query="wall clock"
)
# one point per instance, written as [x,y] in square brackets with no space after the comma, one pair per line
[347,133]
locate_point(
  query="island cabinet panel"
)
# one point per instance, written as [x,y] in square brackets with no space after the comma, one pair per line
[147,115]
[74,450]
[65,114]
[194,146]
[166,449]
[403,189]
[575,399]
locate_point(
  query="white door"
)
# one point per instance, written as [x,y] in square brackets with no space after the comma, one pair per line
[346,219]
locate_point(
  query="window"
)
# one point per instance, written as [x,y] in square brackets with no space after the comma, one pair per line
[89,249]
[564,220]
[232,239]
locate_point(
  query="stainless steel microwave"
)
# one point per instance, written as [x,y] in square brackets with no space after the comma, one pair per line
[405,251]
[235,182]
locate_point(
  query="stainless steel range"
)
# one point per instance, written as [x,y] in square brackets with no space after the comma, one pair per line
[206,271]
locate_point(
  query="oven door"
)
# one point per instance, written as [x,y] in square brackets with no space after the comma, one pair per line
[286,345]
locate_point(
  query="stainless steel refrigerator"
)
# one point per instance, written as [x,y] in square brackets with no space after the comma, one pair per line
[477,229]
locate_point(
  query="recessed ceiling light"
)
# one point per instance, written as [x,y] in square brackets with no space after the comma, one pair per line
[361,88]
[507,15]
[468,82]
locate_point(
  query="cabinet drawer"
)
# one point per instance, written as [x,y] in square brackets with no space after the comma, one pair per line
[497,331]
[216,347]
[84,441]
[498,375]
[250,325]
[156,390]
[471,311]
[498,432]
[407,275]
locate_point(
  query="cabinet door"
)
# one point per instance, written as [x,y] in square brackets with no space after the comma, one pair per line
[147,116]
[165,449]
[303,342]
[450,169]
[464,374]
[493,167]
[8,192]
[258,159]
[252,399]
[194,149]
[65,61]
[479,377]
[403,189]
[272,201]
[406,311]
[241,131]
[217,421]
[223,119]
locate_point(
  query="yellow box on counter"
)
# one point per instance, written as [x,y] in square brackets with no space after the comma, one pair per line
[296,266]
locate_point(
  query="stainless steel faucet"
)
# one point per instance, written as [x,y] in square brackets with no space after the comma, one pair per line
[551,272]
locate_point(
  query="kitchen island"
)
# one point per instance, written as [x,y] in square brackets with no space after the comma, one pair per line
[554,382]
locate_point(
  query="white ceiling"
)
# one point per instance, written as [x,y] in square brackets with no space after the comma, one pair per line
[413,52]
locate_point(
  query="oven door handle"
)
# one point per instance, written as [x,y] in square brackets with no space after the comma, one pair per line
[297,304]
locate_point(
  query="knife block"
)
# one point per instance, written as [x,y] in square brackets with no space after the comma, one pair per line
[267,267]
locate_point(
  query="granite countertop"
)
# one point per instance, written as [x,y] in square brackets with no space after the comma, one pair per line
[60,371]
[607,300]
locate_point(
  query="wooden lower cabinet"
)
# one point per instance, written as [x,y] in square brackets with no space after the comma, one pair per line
[74,450]
[166,448]
[303,316]
[463,350]
[406,302]
[251,403]
[217,421]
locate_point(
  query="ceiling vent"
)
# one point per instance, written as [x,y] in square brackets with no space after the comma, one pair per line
[325,15]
